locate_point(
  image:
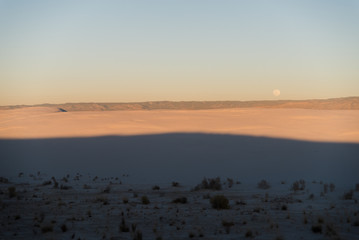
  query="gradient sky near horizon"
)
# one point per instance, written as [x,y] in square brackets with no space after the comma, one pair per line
[127,51]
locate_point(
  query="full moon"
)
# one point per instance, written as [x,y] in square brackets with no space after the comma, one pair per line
[276,92]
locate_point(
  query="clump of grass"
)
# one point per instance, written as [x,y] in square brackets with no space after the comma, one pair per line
[125,200]
[263,184]
[298,185]
[12,191]
[156,187]
[284,207]
[211,183]
[182,200]
[219,202]
[145,200]
[45,183]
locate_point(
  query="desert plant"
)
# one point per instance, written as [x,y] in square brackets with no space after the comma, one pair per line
[107,189]
[175,184]
[64,227]
[211,183]
[12,191]
[348,195]
[298,185]
[137,235]
[47,228]
[227,225]
[263,184]
[182,200]
[123,227]
[219,202]
[331,187]
[249,234]
[145,200]
[230,182]
[317,228]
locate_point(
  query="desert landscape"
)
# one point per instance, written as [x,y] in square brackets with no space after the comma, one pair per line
[230,173]
[166,120]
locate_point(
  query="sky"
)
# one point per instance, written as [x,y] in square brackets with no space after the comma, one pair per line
[130,51]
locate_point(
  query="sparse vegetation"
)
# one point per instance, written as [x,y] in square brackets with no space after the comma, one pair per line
[145,200]
[156,187]
[298,185]
[182,200]
[263,184]
[47,228]
[175,184]
[123,227]
[219,202]
[348,195]
[211,183]
[317,228]
[12,191]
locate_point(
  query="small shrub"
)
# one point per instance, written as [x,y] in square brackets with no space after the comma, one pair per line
[175,184]
[156,187]
[182,200]
[284,207]
[357,187]
[123,227]
[65,187]
[317,228]
[47,228]
[348,195]
[249,234]
[263,184]
[138,235]
[219,202]
[64,227]
[230,182]
[191,235]
[298,185]
[4,180]
[45,183]
[107,189]
[211,183]
[332,187]
[227,225]
[125,200]
[12,191]
[145,200]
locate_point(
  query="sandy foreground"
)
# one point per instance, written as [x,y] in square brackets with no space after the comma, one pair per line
[87,207]
[301,124]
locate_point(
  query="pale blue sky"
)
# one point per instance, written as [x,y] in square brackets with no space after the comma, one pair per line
[125,51]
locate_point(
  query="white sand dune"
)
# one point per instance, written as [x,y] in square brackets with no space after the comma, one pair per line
[303,124]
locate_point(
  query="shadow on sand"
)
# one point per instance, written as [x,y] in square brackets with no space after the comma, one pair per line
[183,157]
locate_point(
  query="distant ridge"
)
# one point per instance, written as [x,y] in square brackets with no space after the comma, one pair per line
[347,103]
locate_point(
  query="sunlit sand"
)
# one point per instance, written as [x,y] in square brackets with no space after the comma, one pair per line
[302,124]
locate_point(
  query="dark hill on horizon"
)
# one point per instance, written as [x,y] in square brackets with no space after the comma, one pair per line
[347,103]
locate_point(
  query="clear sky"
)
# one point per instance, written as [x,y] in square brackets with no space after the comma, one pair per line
[126,51]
